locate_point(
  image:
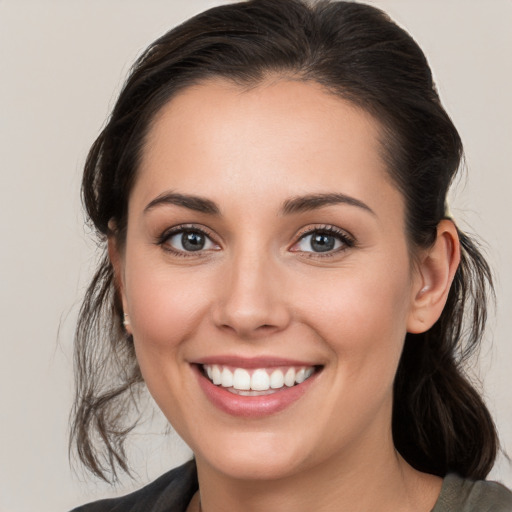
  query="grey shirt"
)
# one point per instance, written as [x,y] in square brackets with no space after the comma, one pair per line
[173,491]
[462,495]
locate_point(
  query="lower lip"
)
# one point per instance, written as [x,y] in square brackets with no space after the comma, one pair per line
[252,406]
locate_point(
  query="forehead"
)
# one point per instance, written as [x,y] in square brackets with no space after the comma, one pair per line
[218,137]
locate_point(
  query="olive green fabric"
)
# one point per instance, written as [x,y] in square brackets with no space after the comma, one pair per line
[173,491]
[461,495]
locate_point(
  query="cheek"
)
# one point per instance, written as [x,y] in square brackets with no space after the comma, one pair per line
[367,298]
[164,304]
[361,313]
[165,307]
[365,328]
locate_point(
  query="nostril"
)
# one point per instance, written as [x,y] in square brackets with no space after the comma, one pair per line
[250,315]
[264,327]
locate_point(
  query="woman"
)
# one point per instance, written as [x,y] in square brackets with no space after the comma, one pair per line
[282,273]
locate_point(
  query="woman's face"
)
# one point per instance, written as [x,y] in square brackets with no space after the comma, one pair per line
[266,246]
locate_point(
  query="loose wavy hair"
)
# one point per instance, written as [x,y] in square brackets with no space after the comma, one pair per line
[440,423]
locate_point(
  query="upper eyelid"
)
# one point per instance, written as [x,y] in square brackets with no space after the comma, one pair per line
[167,233]
[325,228]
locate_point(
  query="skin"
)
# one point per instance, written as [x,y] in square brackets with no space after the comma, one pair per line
[258,289]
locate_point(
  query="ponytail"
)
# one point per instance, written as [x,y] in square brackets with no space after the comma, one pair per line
[440,422]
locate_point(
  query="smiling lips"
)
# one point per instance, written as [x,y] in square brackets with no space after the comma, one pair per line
[254,389]
[257,382]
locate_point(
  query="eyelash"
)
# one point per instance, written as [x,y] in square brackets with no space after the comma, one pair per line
[346,239]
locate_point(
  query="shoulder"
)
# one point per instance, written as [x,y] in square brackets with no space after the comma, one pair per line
[464,495]
[171,492]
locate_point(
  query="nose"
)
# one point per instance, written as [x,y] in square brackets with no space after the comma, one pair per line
[251,299]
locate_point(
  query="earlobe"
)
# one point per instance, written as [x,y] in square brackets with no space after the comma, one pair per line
[115,257]
[436,270]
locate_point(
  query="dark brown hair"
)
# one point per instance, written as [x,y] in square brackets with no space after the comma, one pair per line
[355,51]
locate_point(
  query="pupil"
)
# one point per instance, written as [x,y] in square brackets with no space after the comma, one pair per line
[322,243]
[192,241]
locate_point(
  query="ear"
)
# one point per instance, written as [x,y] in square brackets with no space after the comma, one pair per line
[116,259]
[435,272]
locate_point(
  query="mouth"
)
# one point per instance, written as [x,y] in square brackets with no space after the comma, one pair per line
[254,388]
[258,381]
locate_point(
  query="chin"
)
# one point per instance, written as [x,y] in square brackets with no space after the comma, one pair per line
[261,456]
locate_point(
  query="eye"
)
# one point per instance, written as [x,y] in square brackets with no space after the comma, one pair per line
[325,240]
[187,240]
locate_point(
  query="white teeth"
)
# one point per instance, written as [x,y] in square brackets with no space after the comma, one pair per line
[241,379]
[277,379]
[289,378]
[261,379]
[216,375]
[226,378]
[301,376]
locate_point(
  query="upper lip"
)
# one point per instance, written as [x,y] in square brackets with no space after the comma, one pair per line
[251,362]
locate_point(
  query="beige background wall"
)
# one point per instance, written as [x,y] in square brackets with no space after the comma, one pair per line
[61,62]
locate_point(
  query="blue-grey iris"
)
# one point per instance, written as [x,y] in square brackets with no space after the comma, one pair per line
[322,242]
[192,241]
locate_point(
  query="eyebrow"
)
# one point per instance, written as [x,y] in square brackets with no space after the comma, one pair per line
[196,203]
[297,204]
[314,201]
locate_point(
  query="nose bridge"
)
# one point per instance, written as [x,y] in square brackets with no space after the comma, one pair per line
[252,301]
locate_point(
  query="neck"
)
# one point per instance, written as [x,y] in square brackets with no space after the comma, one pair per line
[377,479]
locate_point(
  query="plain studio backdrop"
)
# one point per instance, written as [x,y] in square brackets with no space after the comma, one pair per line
[62,63]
